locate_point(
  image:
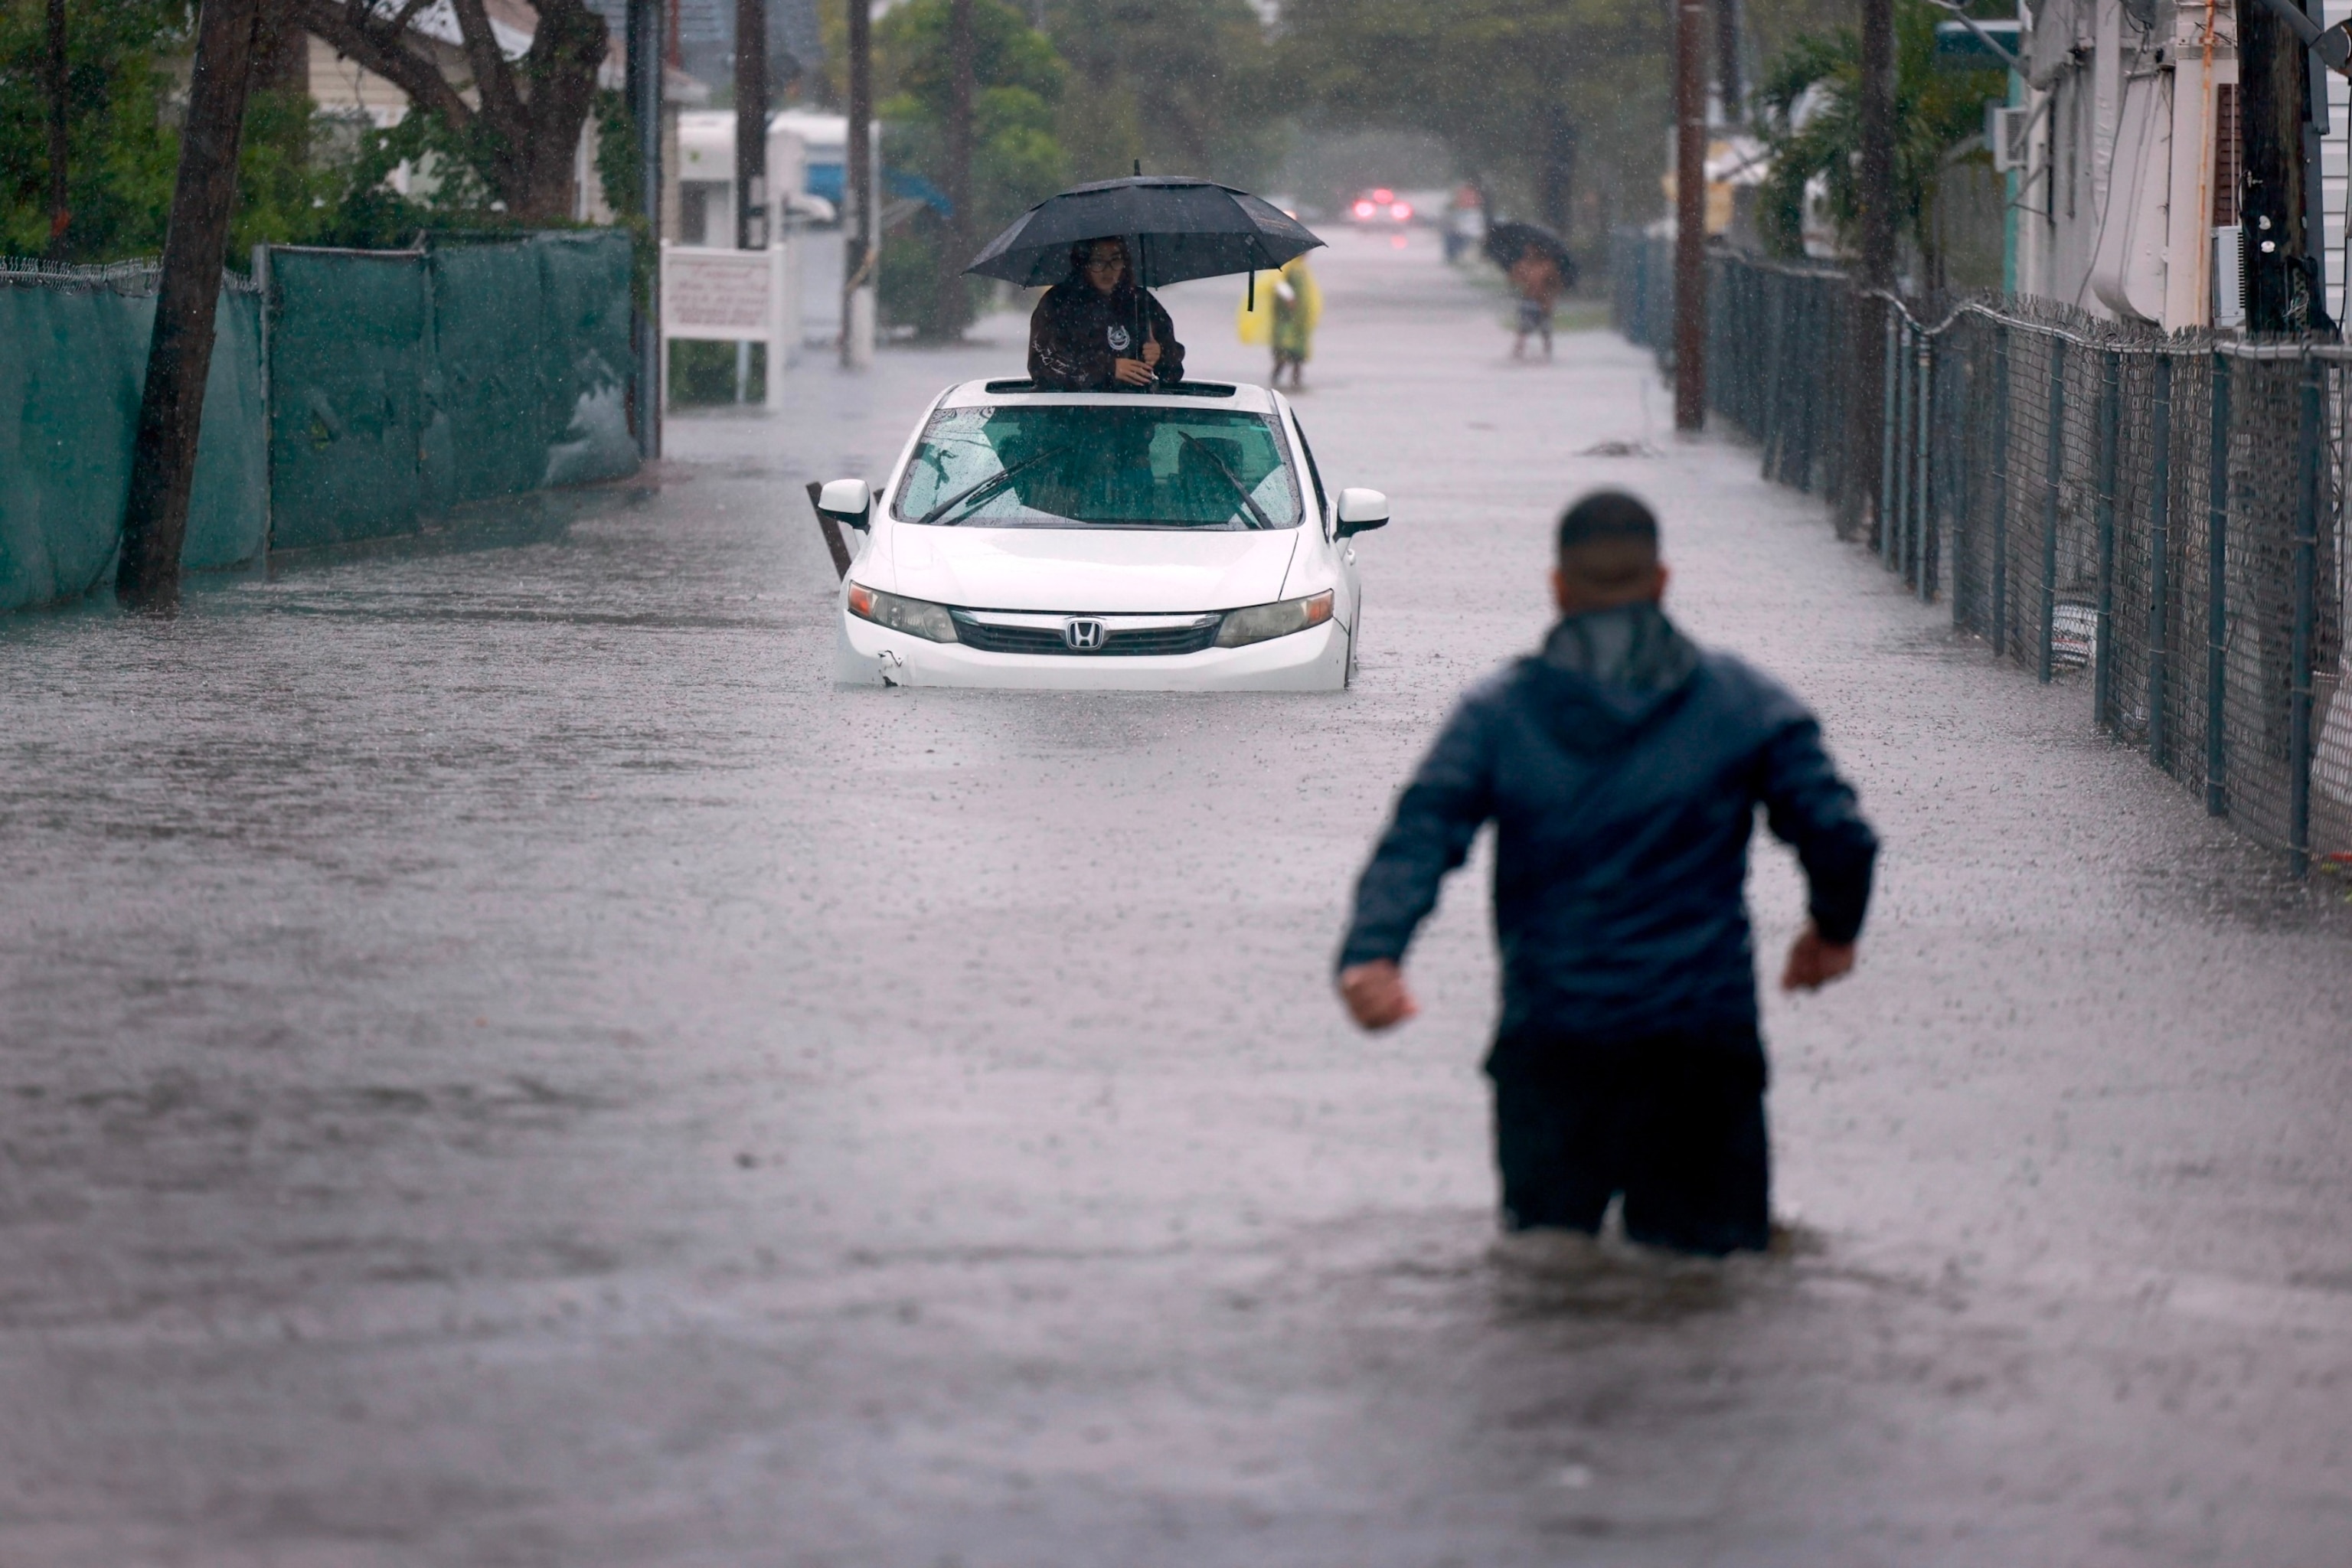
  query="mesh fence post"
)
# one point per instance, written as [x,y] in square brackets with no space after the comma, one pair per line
[1898,453]
[2102,649]
[1999,492]
[1886,431]
[1922,518]
[2160,566]
[1962,490]
[2306,614]
[2217,607]
[2057,462]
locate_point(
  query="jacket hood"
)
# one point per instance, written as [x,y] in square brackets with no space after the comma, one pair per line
[1605,676]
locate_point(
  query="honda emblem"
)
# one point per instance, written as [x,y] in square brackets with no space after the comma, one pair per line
[1083,634]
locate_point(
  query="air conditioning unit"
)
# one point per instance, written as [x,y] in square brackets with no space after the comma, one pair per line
[2008,129]
[2230,276]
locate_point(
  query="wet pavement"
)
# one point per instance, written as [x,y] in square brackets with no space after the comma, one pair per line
[501,1063]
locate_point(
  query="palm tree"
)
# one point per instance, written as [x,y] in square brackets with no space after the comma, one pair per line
[1812,120]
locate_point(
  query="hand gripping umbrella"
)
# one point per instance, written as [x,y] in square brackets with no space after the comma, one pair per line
[1181,228]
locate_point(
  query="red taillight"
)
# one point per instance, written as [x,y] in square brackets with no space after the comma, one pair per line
[1401,211]
[1364,209]
[1384,194]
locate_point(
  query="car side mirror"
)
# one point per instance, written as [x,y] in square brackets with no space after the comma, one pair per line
[1362,510]
[847,502]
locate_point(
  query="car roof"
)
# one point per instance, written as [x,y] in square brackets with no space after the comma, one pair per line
[1237,395]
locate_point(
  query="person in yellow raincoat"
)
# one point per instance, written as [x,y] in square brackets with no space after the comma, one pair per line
[1288,305]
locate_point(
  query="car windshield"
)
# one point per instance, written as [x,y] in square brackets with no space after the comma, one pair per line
[1100,465]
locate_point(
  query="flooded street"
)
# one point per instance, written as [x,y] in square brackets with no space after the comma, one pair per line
[503,1064]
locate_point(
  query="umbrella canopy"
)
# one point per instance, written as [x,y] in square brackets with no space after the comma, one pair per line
[1507,242]
[1181,228]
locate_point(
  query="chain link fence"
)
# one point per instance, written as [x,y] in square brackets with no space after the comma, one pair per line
[2159,516]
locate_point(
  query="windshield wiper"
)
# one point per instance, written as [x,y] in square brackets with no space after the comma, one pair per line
[1227,475]
[987,487]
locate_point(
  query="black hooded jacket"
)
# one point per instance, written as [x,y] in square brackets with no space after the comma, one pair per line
[1623,767]
[1077,330]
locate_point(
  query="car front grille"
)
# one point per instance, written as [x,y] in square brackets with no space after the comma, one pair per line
[1178,637]
[990,638]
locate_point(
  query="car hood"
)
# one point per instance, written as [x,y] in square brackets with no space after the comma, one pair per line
[1107,571]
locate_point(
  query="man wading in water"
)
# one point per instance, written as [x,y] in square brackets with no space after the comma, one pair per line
[1097,332]
[1623,765]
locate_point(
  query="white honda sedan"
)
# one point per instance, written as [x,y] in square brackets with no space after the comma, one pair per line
[1177,540]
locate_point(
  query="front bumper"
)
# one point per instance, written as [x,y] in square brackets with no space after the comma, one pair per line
[1313,661]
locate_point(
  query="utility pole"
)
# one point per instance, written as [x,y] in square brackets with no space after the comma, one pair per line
[1690,215]
[859,254]
[281,50]
[2274,77]
[1864,368]
[754,222]
[950,299]
[643,68]
[60,212]
[180,350]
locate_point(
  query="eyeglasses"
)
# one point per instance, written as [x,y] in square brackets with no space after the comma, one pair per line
[1106,263]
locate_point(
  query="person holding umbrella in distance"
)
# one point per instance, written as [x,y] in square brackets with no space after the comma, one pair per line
[1536,262]
[1098,329]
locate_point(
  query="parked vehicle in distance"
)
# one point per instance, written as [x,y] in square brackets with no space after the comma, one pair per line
[1177,540]
[1380,209]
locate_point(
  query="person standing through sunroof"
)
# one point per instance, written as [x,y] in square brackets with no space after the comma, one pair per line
[1097,331]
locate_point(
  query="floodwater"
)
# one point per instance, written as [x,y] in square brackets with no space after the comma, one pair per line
[501,1063]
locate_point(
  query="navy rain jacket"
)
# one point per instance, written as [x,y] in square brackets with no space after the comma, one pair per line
[1623,767]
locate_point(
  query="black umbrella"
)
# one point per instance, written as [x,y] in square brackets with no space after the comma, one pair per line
[1181,228]
[1507,242]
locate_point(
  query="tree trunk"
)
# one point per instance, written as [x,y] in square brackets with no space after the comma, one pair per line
[180,352]
[949,297]
[281,50]
[61,208]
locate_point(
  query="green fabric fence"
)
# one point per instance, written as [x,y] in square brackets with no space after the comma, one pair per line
[73,361]
[397,386]
[403,384]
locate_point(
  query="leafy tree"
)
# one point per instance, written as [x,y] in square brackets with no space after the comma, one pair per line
[121,155]
[1017,158]
[122,144]
[1186,87]
[512,125]
[1810,116]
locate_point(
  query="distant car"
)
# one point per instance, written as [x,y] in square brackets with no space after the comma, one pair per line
[1382,208]
[1179,540]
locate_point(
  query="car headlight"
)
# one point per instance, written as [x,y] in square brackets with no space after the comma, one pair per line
[1260,622]
[915,617]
